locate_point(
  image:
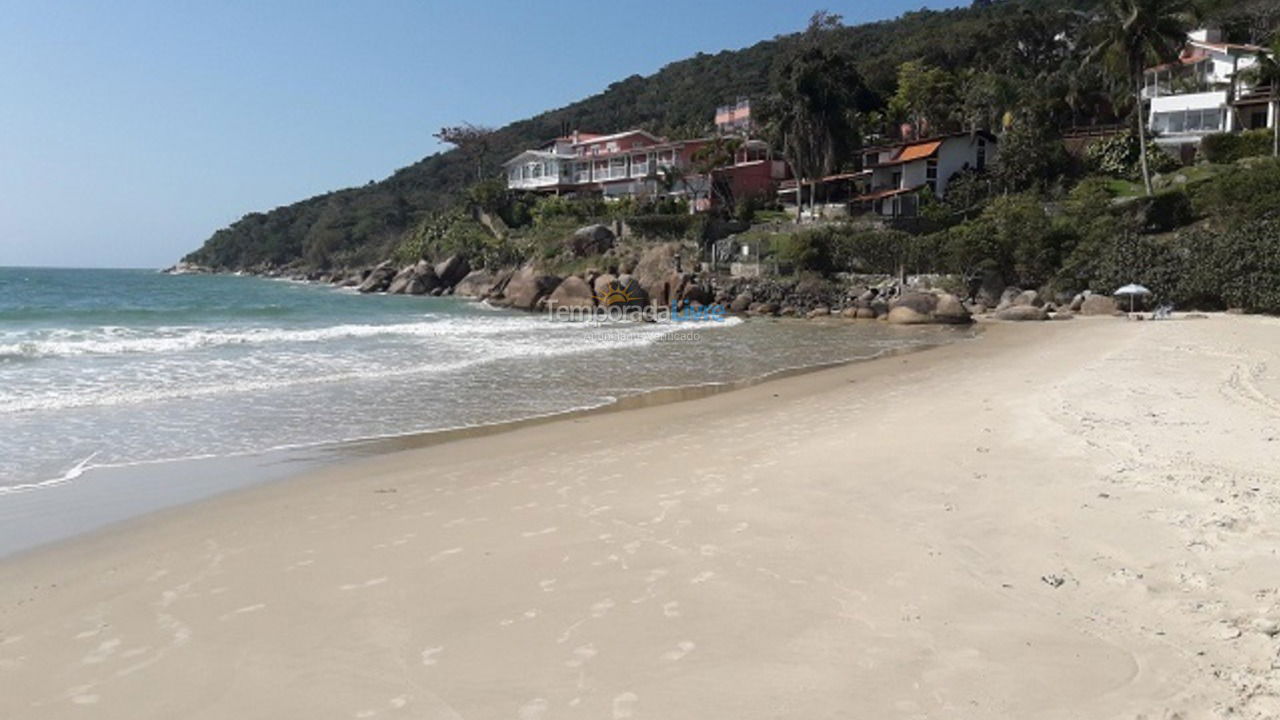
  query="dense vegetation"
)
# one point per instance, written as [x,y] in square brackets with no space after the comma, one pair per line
[362,225]
[1120,211]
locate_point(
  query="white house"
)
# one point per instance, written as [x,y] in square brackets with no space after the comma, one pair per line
[895,174]
[1202,92]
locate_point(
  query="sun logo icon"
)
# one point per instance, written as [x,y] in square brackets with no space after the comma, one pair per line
[621,293]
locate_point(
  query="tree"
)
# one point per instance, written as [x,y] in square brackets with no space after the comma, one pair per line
[925,97]
[1266,73]
[474,141]
[811,114]
[1134,34]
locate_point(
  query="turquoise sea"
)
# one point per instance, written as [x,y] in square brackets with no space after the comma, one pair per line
[113,368]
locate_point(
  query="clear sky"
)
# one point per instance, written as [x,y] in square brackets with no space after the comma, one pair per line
[130,131]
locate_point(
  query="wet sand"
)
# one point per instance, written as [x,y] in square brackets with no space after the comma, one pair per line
[1062,520]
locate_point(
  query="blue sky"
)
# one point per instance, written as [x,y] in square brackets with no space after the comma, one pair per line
[130,131]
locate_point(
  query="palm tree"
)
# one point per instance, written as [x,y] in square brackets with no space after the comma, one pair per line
[1135,34]
[1266,73]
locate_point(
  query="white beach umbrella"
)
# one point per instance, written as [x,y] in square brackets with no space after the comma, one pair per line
[1133,290]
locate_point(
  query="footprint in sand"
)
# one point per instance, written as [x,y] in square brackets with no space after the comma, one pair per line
[671,609]
[602,608]
[624,705]
[429,655]
[533,710]
[682,648]
[104,650]
[547,585]
[581,655]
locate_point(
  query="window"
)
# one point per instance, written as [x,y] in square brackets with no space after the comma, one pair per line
[1189,121]
[982,154]
[931,174]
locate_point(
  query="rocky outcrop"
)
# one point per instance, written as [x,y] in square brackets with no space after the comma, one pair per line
[742,302]
[573,292]
[1098,305]
[591,240]
[1017,297]
[452,270]
[482,283]
[526,288]
[378,279]
[419,279]
[928,308]
[1022,313]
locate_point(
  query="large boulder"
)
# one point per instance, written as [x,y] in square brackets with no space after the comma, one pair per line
[424,281]
[951,310]
[625,291]
[481,283]
[1022,313]
[378,279]
[741,303]
[602,284]
[573,292]
[452,270]
[1017,297]
[591,240]
[1098,305]
[695,294]
[527,287]
[916,308]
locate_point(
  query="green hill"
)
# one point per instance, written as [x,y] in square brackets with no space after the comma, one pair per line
[361,225]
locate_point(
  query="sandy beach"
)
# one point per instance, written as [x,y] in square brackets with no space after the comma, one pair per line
[1057,520]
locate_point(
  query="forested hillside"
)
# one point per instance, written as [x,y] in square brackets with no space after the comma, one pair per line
[361,225]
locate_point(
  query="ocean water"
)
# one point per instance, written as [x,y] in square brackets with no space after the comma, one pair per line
[112,368]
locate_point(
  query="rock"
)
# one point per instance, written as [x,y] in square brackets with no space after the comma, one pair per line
[1020,313]
[479,284]
[741,303]
[906,315]
[527,287]
[1017,297]
[765,308]
[818,312]
[1224,630]
[573,292]
[788,311]
[424,281]
[694,293]
[951,311]
[378,279]
[990,291]
[452,270]
[1098,305]
[591,240]
[1077,302]
[916,308]
[601,284]
[850,313]
[866,313]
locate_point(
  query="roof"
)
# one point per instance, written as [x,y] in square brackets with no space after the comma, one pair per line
[542,154]
[584,140]
[791,184]
[882,194]
[918,151]
[939,139]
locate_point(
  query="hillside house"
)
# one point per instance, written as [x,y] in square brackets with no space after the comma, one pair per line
[638,163]
[893,176]
[1203,92]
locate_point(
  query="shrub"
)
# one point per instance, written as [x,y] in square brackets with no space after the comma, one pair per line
[1118,156]
[1243,194]
[668,227]
[1222,148]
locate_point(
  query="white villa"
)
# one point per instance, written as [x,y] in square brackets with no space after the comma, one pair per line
[893,176]
[1202,93]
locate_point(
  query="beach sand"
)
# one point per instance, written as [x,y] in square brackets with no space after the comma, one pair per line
[1060,520]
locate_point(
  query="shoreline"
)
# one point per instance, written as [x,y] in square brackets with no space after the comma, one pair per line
[1043,524]
[312,457]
